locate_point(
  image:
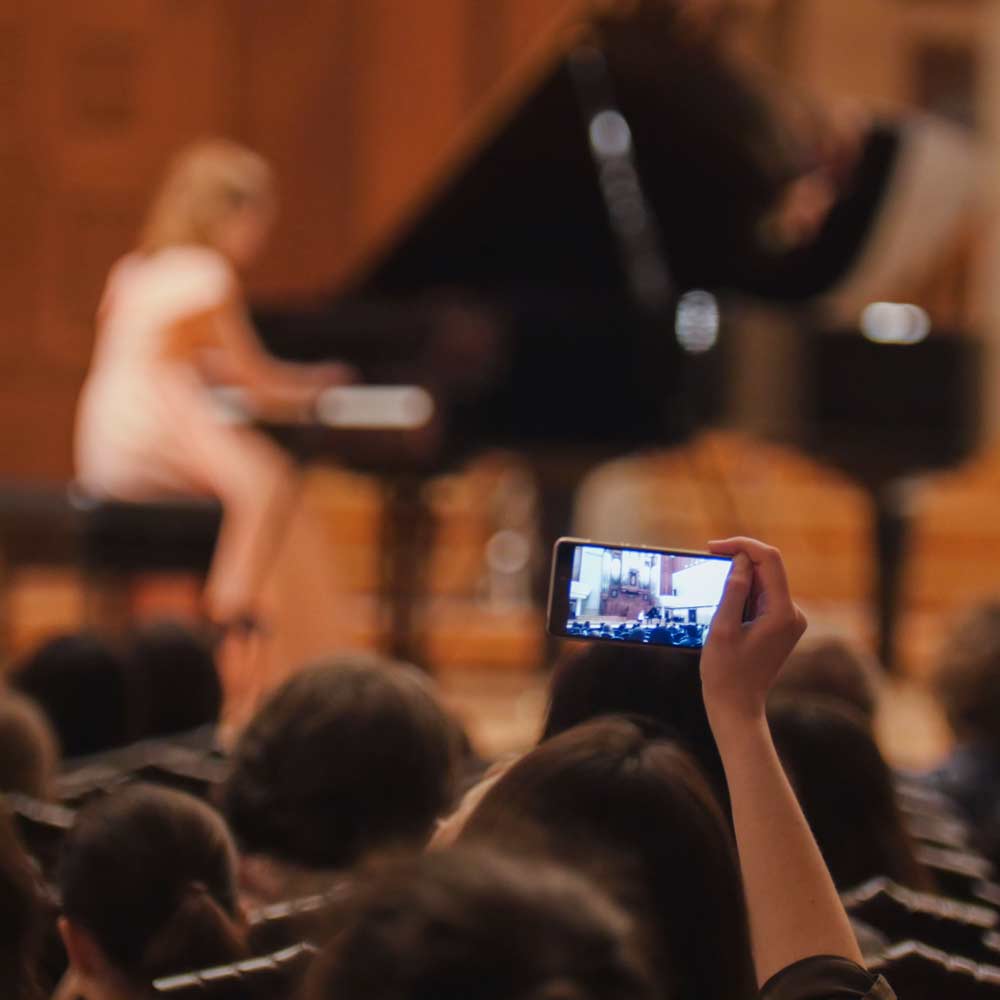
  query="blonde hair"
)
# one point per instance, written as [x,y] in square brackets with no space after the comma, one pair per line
[204,184]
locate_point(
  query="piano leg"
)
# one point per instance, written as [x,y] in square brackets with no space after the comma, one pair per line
[404,551]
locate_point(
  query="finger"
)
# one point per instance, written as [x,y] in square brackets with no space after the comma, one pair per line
[734,597]
[770,569]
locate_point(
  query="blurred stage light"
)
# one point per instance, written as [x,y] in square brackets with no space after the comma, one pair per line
[697,321]
[610,134]
[375,407]
[895,323]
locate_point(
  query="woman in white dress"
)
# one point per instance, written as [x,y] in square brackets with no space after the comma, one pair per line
[171,323]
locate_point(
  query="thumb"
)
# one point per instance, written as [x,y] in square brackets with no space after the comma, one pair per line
[736,593]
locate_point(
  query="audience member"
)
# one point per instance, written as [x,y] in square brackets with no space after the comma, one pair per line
[21,920]
[832,667]
[968,685]
[636,811]
[79,681]
[661,685]
[344,758]
[148,888]
[175,681]
[846,790]
[461,925]
[29,750]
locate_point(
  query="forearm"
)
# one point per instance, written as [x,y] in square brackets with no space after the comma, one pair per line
[795,911]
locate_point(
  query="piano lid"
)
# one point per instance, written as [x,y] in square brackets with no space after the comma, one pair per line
[519,202]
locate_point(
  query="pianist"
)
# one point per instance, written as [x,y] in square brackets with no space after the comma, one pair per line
[172,321]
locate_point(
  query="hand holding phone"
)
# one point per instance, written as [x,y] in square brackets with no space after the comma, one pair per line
[755,629]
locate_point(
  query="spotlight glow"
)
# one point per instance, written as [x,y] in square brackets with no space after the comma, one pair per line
[610,134]
[697,321]
[895,323]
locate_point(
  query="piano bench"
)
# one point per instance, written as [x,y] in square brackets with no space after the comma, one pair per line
[120,541]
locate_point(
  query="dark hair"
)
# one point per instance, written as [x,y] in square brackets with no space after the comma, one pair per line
[472,925]
[846,791]
[344,757]
[29,750]
[968,676]
[610,800]
[661,685]
[830,667]
[79,681]
[176,682]
[20,918]
[150,873]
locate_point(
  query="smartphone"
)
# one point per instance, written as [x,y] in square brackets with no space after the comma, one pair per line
[618,593]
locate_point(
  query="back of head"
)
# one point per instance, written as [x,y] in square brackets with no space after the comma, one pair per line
[661,685]
[79,681]
[20,918]
[461,925]
[29,750]
[175,679]
[609,800]
[205,184]
[968,677]
[149,872]
[832,668]
[344,758]
[846,790]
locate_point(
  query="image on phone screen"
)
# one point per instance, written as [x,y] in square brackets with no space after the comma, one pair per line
[638,595]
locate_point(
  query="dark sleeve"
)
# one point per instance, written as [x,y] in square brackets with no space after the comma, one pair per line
[826,978]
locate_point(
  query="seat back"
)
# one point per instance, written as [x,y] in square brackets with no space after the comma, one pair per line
[902,914]
[917,971]
[270,977]
[41,827]
[282,924]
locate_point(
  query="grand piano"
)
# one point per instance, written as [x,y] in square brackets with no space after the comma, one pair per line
[534,291]
[516,291]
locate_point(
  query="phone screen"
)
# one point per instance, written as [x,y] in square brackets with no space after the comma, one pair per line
[617,593]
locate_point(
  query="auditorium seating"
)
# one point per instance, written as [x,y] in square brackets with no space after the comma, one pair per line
[902,914]
[281,925]
[269,977]
[41,828]
[920,972]
[161,762]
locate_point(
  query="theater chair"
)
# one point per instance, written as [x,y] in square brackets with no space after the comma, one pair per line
[270,977]
[159,762]
[41,828]
[280,925]
[920,972]
[120,542]
[902,914]
[958,874]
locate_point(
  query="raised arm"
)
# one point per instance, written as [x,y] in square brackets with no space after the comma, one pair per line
[794,909]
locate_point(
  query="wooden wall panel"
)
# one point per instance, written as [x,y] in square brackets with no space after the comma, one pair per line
[301,71]
[411,101]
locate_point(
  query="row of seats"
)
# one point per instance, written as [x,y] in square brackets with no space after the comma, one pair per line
[269,977]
